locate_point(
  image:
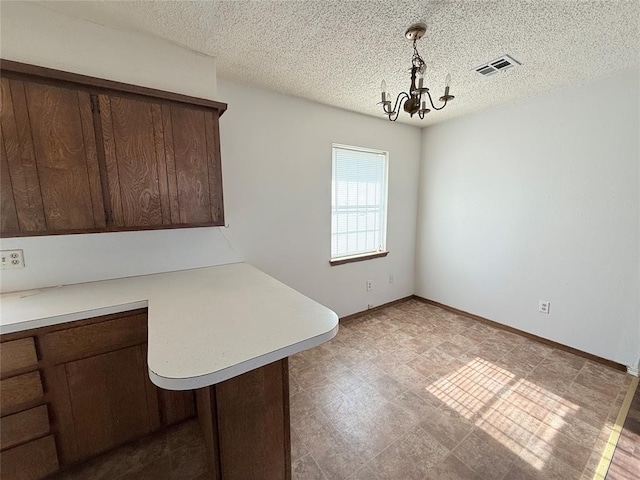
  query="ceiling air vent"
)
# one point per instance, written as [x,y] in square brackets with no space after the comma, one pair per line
[498,65]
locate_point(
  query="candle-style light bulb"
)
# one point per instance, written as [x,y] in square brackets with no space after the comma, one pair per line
[447,82]
[383,89]
[420,79]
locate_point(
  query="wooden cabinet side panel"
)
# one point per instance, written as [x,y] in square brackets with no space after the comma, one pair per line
[252,424]
[192,173]
[20,157]
[59,145]
[31,461]
[214,167]
[109,400]
[176,405]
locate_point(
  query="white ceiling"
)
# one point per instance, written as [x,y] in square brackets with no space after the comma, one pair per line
[336,52]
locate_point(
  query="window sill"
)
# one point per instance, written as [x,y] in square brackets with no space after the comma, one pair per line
[357,258]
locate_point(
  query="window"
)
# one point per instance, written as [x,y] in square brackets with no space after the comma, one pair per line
[358,204]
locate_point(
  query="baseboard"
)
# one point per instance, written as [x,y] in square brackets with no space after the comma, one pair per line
[379,307]
[633,371]
[551,343]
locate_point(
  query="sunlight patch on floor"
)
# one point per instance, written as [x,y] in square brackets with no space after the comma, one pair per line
[520,415]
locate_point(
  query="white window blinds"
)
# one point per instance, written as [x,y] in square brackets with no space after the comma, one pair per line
[358,201]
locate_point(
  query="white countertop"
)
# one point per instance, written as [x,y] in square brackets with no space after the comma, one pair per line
[206,325]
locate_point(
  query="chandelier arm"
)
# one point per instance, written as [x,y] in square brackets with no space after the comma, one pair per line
[432,105]
[397,106]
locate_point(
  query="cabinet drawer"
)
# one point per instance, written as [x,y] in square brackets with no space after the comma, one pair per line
[24,426]
[17,354]
[31,461]
[90,340]
[15,391]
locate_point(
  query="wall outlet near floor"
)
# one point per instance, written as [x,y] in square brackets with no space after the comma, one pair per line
[12,259]
[390,278]
[369,285]
[369,306]
[544,306]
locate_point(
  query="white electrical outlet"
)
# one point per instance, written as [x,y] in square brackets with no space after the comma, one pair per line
[544,306]
[12,259]
[369,285]
[390,278]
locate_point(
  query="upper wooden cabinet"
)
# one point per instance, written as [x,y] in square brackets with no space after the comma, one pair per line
[80,154]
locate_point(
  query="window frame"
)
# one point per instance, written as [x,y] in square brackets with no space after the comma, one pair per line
[380,252]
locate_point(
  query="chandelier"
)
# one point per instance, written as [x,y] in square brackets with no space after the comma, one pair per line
[416,100]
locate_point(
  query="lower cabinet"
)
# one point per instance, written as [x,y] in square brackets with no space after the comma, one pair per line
[81,388]
[73,391]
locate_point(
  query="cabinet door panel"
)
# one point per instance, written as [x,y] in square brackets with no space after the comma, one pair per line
[192,164]
[130,129]
[63,157]
[109,400]
[8,212]
[19,156]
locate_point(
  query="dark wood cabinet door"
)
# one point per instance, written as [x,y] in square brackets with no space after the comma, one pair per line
[135,163]
[49,153]
[193,153]
[111,399]
[162,163]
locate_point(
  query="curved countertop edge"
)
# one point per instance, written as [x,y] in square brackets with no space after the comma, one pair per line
[192,383]
[32,309]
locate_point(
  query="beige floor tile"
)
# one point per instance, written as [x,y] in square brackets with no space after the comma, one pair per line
[452,469]
[410,457]
[486,456]
[306,468]
[447,426]
[364,473]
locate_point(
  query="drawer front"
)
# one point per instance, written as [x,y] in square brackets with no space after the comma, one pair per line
[90,340]
[24,426]
[17,354]
[31,461]
[21,389]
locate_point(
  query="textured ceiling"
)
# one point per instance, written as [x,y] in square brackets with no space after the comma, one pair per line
[337,52]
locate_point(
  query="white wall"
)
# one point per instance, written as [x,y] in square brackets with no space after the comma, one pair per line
[276,153]
[276,156]
[36,35]
[539,200]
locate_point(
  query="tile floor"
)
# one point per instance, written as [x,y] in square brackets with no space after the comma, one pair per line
[416,392]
